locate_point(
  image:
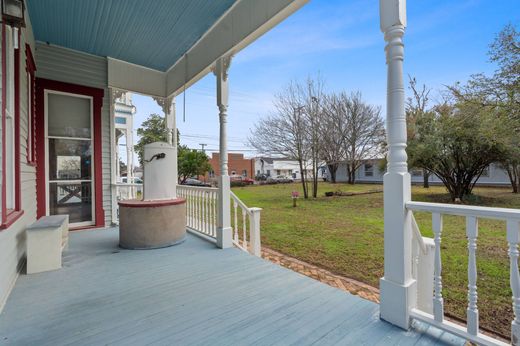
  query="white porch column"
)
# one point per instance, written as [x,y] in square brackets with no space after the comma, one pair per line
[168,107]
[224,232]
[114,151]
[398,288]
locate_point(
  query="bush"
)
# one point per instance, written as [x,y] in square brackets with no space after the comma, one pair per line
[238,183]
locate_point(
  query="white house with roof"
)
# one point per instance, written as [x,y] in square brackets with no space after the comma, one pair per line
[63,65]
[371,171]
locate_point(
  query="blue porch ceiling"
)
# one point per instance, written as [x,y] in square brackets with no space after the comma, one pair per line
[153,34]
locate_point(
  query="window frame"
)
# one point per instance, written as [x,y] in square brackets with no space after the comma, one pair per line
[30,68]
[369,169]
[11,209]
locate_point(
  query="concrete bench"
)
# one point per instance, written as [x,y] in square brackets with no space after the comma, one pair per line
[46,239]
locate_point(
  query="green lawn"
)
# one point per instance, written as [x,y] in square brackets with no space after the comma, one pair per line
[345,235]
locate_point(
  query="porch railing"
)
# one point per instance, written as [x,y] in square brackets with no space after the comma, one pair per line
[428,268]
[125,191]
[201,208]
[201,215]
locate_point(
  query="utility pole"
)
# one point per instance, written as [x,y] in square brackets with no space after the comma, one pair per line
[203,145]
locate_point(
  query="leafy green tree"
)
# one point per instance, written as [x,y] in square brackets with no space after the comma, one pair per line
[501,91]
[463,139]
[153,129]
[191,163]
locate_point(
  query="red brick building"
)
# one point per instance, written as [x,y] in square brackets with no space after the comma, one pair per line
[237,166]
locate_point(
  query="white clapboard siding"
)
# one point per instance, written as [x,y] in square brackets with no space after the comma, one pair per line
[12,240]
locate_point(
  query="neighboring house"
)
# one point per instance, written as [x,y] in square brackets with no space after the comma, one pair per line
[124,111]
[282,166]
[370,172]
[238,166]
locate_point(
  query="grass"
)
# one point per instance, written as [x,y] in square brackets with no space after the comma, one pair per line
[345,235]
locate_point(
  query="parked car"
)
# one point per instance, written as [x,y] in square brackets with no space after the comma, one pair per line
[280,179]
[242,179]
[261,177]
[195,182]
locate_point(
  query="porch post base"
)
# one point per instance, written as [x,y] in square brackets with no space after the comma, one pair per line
[224,237]
[396,302]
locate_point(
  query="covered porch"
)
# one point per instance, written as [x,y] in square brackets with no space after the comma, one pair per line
[196,292]
[191,294]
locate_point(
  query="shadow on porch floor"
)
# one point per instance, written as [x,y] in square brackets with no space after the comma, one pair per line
[192,293]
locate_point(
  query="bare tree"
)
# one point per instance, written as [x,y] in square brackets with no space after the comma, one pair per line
[364,132]
[311,93]
[416,109]
[284,131]
[332,128]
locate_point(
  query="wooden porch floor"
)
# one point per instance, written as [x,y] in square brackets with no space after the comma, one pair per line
[191,293]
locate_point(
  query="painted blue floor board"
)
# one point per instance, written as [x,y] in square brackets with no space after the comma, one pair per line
[189,294]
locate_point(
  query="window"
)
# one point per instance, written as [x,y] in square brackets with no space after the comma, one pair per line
[120,120]
[369,170]
[244,173]
[10,129]
[31,134]
[233,172]
[268,172]
[278,172]
[417,172]
[290,172]
[211,174]
[257,172]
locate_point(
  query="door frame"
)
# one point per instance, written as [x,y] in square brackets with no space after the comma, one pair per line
[42,87]
[92,165]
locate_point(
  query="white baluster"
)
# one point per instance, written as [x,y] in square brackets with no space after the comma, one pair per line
[254,231]
[438,302]
[235,228]
[513,238]
[215,207]
[472,311]
[204,226]
[244,221]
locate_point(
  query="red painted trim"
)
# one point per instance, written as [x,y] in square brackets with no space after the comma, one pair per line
[17,156]
[97,96]
[30,64]
[30,67]
[4,98]
[134,203]
[11,218]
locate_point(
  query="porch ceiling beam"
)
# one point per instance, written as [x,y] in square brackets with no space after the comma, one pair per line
[127,76]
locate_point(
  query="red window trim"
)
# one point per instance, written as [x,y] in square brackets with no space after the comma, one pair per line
[97,97]
[10,216]
[30,68]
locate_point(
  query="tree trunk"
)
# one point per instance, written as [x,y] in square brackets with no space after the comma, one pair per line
[513,173]
[302,178]
[426,179]
[333,168]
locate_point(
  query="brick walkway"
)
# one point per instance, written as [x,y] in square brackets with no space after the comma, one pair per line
[353,286]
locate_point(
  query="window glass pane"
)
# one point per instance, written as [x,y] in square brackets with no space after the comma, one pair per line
[120,120]
[69,116]
[74,200]
[69,159]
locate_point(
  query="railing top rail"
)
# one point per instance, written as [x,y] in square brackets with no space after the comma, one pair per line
[197,188]
[127,184]
[239,202]
[466,210]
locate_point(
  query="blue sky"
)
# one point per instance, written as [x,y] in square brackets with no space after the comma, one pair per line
[445,41]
